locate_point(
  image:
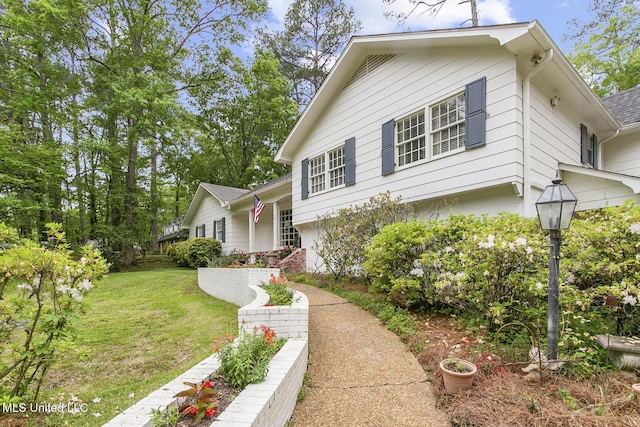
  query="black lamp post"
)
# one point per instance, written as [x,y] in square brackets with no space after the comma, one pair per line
[555,209]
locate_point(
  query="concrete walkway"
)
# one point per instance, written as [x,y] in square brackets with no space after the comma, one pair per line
[361,373]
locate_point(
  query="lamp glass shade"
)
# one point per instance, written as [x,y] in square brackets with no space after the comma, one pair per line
[556,206]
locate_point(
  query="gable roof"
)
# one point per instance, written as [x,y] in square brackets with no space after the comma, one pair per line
[223,193]
[228,195]
[625,105]
[523,40]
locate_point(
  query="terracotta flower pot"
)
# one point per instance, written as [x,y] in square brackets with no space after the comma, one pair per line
[455,381]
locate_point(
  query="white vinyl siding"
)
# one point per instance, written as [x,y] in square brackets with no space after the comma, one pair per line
[407,84]
[447,125]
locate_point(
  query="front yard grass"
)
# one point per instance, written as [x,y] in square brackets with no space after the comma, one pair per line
[141,330]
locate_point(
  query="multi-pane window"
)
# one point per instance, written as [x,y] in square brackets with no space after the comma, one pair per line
[219,227]
[317,174]
[336,167]
[410,138]
[288,233]
[327,170]
[447,125]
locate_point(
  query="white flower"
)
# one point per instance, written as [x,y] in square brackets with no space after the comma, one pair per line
[417,272]
[486,273]
[571,278]
[76,295]
[448,249]
[36,282]
[64,289]
[635,228]
[25,287]
[132,395]
[85,285]
[629,299]
[521,241]
[539,285]
[529,250]
[489,243]
[460,275]
[579,303]
[97,414]
[96,400]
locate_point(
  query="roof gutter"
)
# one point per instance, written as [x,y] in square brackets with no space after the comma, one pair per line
[526,127]
[600,143]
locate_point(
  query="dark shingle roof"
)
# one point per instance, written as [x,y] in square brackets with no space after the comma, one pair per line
[225,194]
[625,105]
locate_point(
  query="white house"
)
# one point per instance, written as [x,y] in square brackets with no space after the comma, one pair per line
[479,120]
[226,214]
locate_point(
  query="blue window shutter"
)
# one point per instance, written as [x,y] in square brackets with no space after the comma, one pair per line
[584,144]
[215,230]
[204,234]
[350,161]
[594,143]
[475,98]
[224,230]
[304,184]
[388,151]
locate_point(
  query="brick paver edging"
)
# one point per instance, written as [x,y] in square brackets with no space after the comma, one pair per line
[266,404]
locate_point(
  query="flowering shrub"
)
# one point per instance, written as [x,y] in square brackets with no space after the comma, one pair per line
[42,291]
[495,270]
[343,235]
[278,290]
[246,361]
[202,400]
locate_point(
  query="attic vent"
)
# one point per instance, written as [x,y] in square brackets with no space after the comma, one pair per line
[370,63]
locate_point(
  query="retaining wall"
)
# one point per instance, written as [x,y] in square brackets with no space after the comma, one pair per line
[269,403]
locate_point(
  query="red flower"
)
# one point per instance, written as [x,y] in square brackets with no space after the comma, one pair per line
[207,384]
[193,410]
[210,412]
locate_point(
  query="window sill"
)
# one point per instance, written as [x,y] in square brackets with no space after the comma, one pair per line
[429,160]
[319,193]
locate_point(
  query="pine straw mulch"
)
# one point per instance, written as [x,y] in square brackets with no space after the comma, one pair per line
[511,399]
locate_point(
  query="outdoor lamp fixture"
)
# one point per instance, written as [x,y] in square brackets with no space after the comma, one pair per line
[555,209]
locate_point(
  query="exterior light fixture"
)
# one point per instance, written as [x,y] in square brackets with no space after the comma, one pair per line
[555,208]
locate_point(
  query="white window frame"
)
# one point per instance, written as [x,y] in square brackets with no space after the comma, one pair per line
[288,233]
[443,121]
[327,171]
[410,139]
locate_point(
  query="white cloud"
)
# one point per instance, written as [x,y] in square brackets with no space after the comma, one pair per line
[453,14]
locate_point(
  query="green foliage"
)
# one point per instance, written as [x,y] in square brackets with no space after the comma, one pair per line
[246,361]
[606,53]
[494,270]
[279,291]
[41,297]
[343,235]
[165,418]
[194,253]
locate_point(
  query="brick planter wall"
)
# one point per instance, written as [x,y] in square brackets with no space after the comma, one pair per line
[269,403]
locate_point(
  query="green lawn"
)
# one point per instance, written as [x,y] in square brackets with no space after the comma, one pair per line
[141,330]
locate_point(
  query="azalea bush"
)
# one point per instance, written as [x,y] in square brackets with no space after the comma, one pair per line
[42,291]
[246,360]
[494,270]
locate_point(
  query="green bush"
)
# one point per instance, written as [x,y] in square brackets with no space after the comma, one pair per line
[194,253]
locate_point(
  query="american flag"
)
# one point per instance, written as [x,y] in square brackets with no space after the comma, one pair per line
[258,206]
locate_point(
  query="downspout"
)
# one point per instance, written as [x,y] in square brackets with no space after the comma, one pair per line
[526,128]
[607,139]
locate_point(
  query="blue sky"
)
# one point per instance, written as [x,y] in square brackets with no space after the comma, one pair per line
[552,14]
